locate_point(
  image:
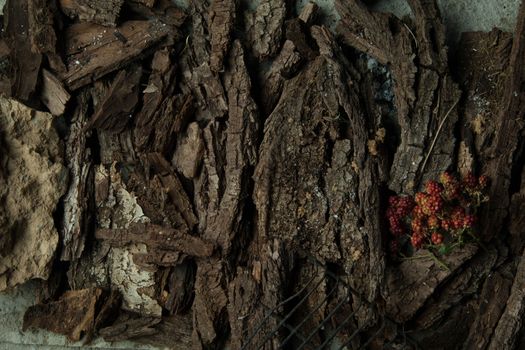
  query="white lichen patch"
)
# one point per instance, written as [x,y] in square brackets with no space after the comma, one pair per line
[117,209]
[133,282]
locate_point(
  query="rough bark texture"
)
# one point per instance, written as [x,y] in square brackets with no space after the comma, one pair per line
[100,12]
[230,168]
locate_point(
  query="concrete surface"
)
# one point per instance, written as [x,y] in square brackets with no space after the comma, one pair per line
[463,15]
[12,308]
[460,15]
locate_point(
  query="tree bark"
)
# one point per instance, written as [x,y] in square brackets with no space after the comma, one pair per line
[230,170]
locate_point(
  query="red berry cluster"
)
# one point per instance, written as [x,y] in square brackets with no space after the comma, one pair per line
[442,213]
[398,209]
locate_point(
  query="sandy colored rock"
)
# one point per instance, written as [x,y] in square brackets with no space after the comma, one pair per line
[32,180]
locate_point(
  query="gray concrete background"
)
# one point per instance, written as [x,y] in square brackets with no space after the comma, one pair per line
[459,15]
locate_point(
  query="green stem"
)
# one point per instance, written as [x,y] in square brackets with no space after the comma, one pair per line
[429,255]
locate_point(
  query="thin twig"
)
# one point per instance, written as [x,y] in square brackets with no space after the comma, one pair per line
[439,262]
[412,33]
[437,135]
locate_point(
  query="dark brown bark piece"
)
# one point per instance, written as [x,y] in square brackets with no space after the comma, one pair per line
[269,263]
[517,219]
[492,299]
[209,306]
[5,68]
[225,212]
[409,286]
[115,111]
[427,123]
[242,300]
[154,201]
[198,79]
[130,326]
[43,37]
[165,11]
[174,188]
[25,62]
[506,333]
[174,332]
[74,314]
[230,153]
[102,12]
[483,61]
[508,139]
[113,147]
[265,28]
[306,193]
[53,94]
[156,237]
[309,13]
[157,104]
[148,3]
[222,18]
[284,65]
[457,288]
[177,288]
[93,51]
[298,32]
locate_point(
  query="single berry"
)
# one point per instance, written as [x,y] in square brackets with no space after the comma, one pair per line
[417,240]
[432,204]
[437,238]
[446,178]
[392,201]
[483,181]
[469,221]
[457,217]
[433,188]
[420,197]
[417,212]
[470,182]
[394,247]
[418,226]
[433,222]
[405,205]
[446,225]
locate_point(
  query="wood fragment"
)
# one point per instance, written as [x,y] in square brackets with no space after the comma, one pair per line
[115,111]
[507,141]
[389,41]
[130,326]
[156,237]
[98,11]
[284,66]
[148,3]
[189,152]
[222,18]
[506,334]
[75,314]
[53,95]
[165,11]
[265,28]
[93,51]
[412,284]
[78,199]
[174,188]
[25,62]
[40,21]
[309,13]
